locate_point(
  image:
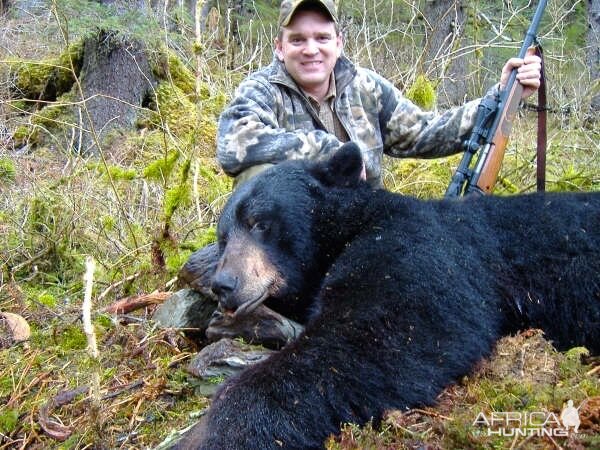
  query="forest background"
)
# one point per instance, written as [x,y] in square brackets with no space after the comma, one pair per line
[108,113]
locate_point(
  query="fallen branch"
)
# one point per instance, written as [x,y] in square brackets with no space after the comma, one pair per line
[52,428]
[128,304]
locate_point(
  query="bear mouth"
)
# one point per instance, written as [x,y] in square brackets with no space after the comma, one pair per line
[247,307]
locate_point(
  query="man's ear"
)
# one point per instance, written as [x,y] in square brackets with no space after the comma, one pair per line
[344,169]
[278,50]
[339,44]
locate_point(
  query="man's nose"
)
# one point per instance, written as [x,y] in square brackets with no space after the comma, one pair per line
[311,47]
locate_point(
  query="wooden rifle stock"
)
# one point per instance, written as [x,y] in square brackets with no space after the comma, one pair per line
[492,127]
[493,153]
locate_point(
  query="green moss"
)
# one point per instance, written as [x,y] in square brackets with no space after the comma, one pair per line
[32,76]
[422,93]
[197,48]
[48,78]
[21,135]
[51,115]
[181,76]
[8,420]
[213,184]
[568,178]
[175,262]
[175,109]
[367,438]
[207,236]
[108,223]
[7,385]
[160,170]
[104,320]
[54,124]
[119,173]
[211,103]
[178,195]
[47,299]
[63,76]
[8,173]
[115,173]
[570,366]
[419,177]
[590,387]
[72,337]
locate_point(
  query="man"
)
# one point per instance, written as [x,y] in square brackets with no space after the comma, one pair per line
[309,101]
[311,98]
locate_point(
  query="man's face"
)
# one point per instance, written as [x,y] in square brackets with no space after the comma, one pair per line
[309,47]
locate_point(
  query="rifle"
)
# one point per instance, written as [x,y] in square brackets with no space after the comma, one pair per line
[493,123]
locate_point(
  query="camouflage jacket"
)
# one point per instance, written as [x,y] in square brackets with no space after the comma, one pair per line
[271,120]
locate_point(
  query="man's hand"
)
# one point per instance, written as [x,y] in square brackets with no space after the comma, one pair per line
[528,73]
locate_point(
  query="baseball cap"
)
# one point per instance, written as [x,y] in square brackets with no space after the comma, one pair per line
[289,7]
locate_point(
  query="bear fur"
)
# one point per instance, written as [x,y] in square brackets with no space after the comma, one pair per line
[402,296]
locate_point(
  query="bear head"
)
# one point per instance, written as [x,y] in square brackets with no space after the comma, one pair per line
[268,248]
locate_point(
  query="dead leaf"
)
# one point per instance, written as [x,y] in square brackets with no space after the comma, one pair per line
[18,326]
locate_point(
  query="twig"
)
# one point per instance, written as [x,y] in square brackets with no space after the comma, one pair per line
[88,327]
[51,427]
[90,266]
[554,442]
[430,413]
[117,284]
[593,371]
[34,258]
[122,389]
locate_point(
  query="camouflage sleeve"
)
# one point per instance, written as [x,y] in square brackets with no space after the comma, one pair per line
[411,132]
[250,132]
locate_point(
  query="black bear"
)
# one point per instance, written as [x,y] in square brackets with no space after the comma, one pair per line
[402,296]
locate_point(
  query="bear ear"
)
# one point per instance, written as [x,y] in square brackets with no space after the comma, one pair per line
[344,169]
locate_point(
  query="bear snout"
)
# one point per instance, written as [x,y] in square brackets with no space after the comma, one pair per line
[223,285]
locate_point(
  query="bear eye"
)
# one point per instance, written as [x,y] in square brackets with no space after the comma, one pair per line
[260,227]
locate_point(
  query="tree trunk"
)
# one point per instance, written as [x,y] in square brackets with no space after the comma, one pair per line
[593,50]
[207,5]
[115,79]
[21,9]
[444,22]
[125,5]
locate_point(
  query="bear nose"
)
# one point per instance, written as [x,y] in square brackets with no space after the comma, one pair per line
[223,284]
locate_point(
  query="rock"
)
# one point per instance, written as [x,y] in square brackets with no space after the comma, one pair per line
[186,308]
[224,358]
